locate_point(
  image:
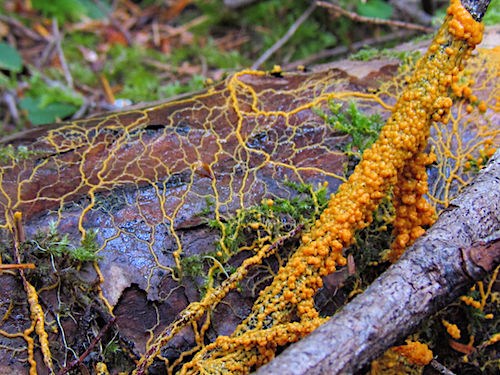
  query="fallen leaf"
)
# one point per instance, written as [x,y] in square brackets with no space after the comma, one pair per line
[461,348]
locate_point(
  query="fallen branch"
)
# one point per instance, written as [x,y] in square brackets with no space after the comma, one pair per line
[459,249]
[20,28]
[376,21]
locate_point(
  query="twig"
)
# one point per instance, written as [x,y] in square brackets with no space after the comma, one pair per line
[17,266]
[412,10]
[233,4]
[60,53]
[155,32]
[47,52]
[108,92]
[276,46]
[476,8]
[10,101]
[377,21]
[439,367]
[82,110]
[25,31]
[94,342]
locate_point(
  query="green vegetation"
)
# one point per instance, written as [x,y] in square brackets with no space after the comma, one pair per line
[492,17]
[47,101]
[272,219]
[193,266]
[53,244]
[9,154]
[67,283]
[475,349]
[374,8]
[147,71]
[10,59]
[204,41]
[72,10]
[254,227]
[368,54]
[363,129]
[314,34]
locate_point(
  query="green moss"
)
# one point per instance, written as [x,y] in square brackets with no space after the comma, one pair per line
[87,251]
[195,83]
[253,227]
[259,21]
[11,154]
[46,101]
[364,130]
[368,54]
[365,54]
[129,67]
[63,10]
[72,10]
[209,204]
[68,290]
[273,218]
[49,93]
[193,266]
[312,36]
[53,243]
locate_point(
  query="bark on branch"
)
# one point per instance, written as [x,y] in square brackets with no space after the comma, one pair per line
[477,8]
[459,249]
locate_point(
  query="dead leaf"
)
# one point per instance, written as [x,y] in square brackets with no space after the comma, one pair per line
[461,348]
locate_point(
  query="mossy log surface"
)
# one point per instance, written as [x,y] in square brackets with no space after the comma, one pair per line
[142,178]
[148,180]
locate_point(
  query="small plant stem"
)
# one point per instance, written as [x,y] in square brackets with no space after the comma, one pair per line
[94,342]
[376,21]
[281,42]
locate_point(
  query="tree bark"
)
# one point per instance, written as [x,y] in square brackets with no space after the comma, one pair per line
[477,8]
[459,249]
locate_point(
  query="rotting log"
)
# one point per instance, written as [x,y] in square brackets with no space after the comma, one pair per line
[456,251]
[142,177]
[130,207]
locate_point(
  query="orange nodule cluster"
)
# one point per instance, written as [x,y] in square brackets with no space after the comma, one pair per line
[416,352]
[452,329]
[469,301]
[413,212]
[240,354]
[38,318]
[463,26]
[485,154]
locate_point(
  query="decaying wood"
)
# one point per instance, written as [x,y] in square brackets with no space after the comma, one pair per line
[456,251]
[130,208]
